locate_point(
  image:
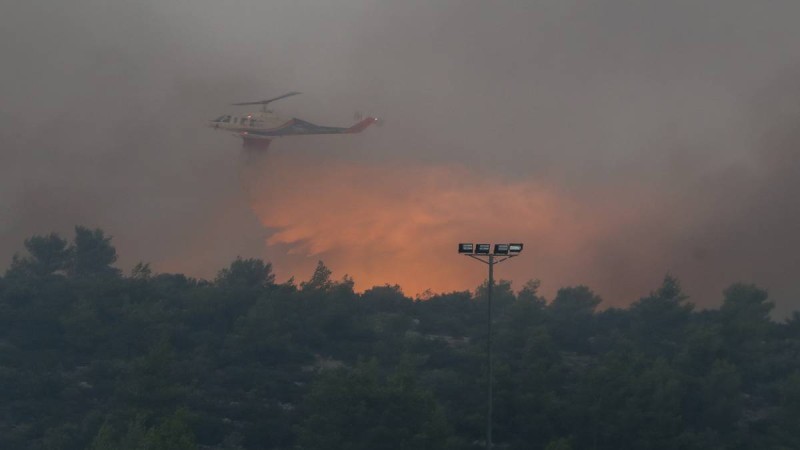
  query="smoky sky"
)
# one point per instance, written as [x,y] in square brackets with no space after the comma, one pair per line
[639,137]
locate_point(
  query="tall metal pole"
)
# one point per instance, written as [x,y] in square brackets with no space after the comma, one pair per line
[510,251]
[489,353]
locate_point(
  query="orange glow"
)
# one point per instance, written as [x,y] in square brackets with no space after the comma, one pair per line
[401,225]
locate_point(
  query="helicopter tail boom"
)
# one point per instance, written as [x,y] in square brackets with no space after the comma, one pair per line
[361,126]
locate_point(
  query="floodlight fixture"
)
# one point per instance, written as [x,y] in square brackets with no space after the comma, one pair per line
[483,249]
[500,249]
[466,248]
[514,248]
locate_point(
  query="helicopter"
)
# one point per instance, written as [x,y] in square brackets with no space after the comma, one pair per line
[258,129]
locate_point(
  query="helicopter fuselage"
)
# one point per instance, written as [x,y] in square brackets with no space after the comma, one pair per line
[243,125]
[258,129]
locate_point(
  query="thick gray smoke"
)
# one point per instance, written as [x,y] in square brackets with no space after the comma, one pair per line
[676,122]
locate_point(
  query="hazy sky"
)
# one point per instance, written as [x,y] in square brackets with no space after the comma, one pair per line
[620,140]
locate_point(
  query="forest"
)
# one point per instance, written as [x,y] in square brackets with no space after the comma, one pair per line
[94,358]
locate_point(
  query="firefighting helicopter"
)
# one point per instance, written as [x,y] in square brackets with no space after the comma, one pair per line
[258,129]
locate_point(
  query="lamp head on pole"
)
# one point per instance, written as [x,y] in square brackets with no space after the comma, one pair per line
[483,249]
[467,248]
[500,249]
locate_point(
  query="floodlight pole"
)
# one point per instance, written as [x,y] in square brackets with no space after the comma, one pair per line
[489,353]
[490,261]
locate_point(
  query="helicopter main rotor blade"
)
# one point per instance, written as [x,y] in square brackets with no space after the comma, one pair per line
[264,102]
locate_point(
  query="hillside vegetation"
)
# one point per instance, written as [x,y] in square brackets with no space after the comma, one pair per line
[91,358]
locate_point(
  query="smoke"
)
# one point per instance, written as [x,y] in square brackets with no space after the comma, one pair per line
[620,141]
[400,224]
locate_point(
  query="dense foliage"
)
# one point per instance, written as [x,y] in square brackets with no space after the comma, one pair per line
[92,359]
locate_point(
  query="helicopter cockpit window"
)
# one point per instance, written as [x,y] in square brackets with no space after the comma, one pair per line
[225,119]
[218,119]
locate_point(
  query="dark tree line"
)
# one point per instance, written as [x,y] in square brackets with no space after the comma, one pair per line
[94,359]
